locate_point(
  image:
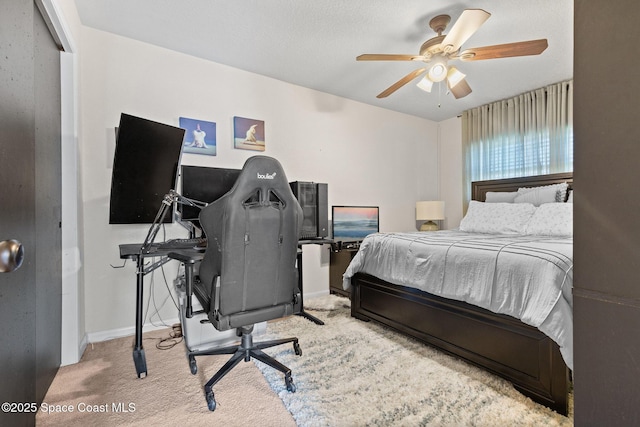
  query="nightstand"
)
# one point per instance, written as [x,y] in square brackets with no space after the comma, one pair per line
[339,260]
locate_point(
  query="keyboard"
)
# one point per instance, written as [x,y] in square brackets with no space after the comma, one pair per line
[198,242]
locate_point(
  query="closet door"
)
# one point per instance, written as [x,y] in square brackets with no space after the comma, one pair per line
[30,209]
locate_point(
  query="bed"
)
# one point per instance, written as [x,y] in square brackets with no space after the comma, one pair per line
[531,360]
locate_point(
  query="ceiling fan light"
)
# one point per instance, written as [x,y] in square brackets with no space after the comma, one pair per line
[438,72]
[454,76]
[425,84]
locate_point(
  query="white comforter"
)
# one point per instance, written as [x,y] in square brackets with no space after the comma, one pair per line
[527,277]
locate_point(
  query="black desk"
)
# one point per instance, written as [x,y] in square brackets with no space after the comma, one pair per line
[300,243]
[132,251]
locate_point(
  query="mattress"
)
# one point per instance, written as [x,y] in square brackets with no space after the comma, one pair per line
[526,277]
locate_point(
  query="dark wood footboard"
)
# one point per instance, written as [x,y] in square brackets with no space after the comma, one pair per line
[500,344]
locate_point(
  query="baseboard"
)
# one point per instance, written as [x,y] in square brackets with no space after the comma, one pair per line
[83,345]
[94,337]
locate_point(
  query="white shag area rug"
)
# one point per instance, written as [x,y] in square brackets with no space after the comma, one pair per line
[355,373]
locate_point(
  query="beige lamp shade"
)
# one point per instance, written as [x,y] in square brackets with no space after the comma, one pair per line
[429,211]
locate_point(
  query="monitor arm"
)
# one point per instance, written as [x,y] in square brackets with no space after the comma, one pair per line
[169,199]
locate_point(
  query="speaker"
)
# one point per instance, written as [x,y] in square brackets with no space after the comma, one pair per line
[313,198]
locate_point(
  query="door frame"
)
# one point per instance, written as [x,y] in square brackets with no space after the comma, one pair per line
[72,334]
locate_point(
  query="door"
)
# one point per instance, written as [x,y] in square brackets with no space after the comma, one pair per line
[30,208]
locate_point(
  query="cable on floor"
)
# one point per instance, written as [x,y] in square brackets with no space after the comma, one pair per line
[175,337]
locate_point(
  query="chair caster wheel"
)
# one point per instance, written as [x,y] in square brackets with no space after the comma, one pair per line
[192,365]
[211,401]
[297,349]
[291,387]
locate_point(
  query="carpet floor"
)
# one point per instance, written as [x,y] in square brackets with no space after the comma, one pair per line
[104,390]
[354,373]
[351,373]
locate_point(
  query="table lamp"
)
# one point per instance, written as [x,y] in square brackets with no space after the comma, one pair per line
[429,211]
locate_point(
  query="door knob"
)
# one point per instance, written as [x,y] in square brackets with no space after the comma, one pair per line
[11,255]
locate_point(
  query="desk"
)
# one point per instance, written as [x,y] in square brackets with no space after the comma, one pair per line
[299,261]
[132,251]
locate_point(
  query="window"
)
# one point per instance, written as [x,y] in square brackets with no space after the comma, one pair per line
[531,134]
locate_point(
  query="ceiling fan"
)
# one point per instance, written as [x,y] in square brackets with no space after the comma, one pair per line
[438,51]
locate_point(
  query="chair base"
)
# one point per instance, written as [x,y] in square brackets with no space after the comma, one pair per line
[245,350]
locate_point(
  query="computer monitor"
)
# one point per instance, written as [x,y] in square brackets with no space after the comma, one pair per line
[203,184]
[354,223]
[145,167]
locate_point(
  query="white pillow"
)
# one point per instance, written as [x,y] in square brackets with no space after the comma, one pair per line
[570,199]
[561,189]
[537,196]
[552,219]
[500,218]
[500,196]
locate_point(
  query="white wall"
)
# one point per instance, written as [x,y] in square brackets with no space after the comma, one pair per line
[450,143]
[367,155]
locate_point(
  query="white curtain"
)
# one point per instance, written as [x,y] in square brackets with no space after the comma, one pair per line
[530,134]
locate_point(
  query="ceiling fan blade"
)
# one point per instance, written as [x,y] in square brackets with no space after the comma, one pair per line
[388,57]
[468,23]
[507,50]
[403,81]
[461,89]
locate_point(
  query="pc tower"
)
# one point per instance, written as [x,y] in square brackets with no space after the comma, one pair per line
[313,199]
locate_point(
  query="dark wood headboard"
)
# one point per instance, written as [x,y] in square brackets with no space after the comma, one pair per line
[479,189]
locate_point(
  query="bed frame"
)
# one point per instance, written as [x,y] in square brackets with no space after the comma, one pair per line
[500,344]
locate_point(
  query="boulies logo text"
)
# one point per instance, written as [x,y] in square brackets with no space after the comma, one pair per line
[266,175]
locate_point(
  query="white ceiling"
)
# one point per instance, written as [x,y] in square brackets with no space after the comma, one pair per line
[314,43]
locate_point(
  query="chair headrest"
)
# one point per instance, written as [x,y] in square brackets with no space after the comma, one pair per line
[262,173]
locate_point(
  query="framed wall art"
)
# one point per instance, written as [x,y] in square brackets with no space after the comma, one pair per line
[199,136]
[248,134]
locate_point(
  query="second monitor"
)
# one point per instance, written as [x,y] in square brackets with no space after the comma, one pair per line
[204,184]
[354,223]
